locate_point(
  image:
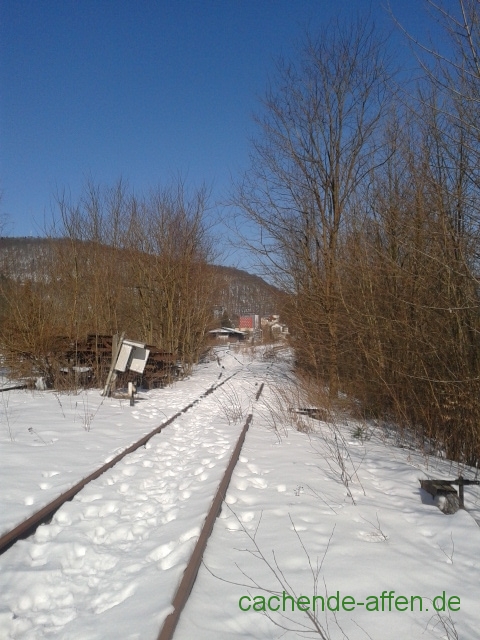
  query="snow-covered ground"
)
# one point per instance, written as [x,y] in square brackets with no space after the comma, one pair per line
[108,564]
[50,441]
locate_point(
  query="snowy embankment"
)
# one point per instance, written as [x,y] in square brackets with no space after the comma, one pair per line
[323,514]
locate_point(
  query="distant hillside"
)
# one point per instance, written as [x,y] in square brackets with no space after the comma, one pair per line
[239,292]
[20,257]
[245,293]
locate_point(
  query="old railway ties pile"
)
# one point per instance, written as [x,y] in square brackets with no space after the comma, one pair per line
[29,526]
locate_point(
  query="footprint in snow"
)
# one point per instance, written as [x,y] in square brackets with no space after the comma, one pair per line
[247,516]
[161,552]
[91,512]
[129,471]
[49,474]
[178,555]
[118,592]
[259,483]
[253,468]
[98,536]
[169,516]
[241,484]
[90,497]
[108,508]
[192,533]
[134,568]
[63,517]
[184,484]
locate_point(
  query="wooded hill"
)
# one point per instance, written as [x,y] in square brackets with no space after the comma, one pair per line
[62,291]
[239,292]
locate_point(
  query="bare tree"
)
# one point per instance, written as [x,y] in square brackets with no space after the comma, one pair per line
[318,142]
[171,255]
[449,106]
[116,263]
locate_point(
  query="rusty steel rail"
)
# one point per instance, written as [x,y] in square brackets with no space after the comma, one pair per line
[190,574]
[29,526]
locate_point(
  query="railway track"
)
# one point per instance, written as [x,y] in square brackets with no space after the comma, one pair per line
[29,526]
[188,580]
[179,594]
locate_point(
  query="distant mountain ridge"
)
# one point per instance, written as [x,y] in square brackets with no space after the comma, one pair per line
[239,292]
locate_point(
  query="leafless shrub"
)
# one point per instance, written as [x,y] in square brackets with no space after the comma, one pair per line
[367,212]
[300,402]
[231,404]
[282,407]
[86,413]
[34,432]
[331,444]
[449,554]
[115,262]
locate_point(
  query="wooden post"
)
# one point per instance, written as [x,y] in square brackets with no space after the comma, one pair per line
[460,492]
[116,346]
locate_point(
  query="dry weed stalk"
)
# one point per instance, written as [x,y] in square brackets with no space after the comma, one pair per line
[446,623]
[302,403]
[230,403]
[6,413]
[312,625]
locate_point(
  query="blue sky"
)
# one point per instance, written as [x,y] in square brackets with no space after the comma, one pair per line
[140,89]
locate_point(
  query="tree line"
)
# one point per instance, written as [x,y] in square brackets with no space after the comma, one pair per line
[365,195]
[115,262]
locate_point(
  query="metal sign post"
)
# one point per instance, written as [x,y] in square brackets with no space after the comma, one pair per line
[129,355]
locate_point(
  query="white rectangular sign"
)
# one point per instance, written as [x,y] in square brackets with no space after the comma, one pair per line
[123,357]
[139,359]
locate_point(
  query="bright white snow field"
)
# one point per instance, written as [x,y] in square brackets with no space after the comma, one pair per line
[335,512]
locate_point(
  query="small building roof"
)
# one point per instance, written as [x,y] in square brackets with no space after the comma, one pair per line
[227,331]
